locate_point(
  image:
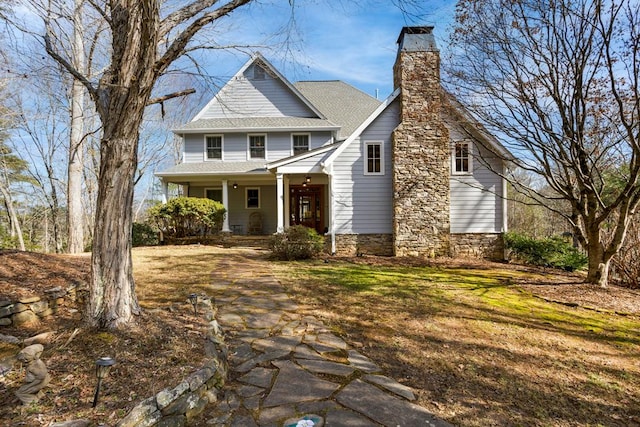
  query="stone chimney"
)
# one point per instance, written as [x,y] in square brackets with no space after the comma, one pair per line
[420,150]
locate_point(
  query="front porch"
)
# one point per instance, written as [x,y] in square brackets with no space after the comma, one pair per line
[265,205]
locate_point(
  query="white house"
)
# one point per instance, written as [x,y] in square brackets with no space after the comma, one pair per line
[410,175]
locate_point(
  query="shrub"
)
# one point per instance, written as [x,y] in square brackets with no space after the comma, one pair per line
[187,216]
[143,234]
[297,242]
[550,252]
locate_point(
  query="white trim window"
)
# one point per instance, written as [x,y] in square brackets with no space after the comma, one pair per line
[257,146]
[213,193]
[462,163]
[300,143]
[213,147]
[374,158]
[252,197]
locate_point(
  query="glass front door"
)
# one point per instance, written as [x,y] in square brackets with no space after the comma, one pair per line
[306,207]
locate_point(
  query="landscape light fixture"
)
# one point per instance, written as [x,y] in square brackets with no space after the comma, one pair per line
[193,299]
[102,368]
[235,185]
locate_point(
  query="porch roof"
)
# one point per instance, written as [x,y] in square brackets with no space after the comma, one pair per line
[213,168]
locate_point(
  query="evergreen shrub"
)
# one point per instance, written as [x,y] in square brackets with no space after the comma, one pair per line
[297,242]
[187,217]
[550,252]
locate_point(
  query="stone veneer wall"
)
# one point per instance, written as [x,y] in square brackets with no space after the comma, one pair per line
[362,244]
[36,308]
[176,406]
[488,245]
[421,157]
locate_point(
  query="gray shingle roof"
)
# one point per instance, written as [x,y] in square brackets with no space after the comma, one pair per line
[216,168]
[256,123]
[341,103]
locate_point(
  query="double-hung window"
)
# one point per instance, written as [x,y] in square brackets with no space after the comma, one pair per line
[374,161]
[213,149]
[253,198]
[462,158]
[257,146]
[300,142]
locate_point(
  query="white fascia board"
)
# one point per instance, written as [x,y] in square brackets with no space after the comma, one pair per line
[362,126]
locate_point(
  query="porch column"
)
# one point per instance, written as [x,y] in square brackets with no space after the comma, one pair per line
[280,202]
[165,191]
[225,202]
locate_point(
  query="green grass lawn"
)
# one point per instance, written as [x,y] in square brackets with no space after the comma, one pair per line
[480,350]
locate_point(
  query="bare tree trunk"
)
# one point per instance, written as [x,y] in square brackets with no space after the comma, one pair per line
[598,264]
[75,226]
[15,223]
[113,301]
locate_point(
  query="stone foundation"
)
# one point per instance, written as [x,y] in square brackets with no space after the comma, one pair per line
[363,244]
[489,246]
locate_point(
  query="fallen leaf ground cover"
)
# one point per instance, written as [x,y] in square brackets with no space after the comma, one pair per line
[478,345]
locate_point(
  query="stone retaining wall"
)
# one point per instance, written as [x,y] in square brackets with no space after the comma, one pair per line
[489,245]
[33,309]
[176,406]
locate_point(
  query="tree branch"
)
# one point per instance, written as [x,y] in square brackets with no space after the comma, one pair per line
[67,65]
[170,96]
[180,42]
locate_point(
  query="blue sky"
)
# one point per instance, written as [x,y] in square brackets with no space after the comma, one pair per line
[353,41]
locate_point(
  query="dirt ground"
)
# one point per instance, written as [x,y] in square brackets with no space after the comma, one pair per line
[163,345]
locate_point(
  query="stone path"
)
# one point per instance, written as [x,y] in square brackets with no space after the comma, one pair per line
[286,366]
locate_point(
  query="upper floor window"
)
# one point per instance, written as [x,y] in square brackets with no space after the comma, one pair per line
[213,147]
[257,146]
[374,164]
[300,142]
[461,157]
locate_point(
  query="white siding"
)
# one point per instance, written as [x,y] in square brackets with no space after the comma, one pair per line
[364,203]
[476,199]
[244,96]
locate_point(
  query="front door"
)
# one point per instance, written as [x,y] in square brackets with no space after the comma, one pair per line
[307,206]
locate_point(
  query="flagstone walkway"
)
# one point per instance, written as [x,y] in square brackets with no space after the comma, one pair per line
[286,366]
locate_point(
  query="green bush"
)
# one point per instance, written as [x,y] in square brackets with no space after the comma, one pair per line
[143,234]
[187,217]
[297,242]
[550,252]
